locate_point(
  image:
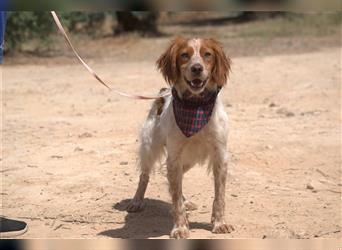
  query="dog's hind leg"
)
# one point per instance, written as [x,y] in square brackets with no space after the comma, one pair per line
[150,151]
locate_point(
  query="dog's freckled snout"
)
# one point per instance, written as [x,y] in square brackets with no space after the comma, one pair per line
[196,69]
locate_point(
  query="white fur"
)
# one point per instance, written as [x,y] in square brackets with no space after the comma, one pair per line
[195,149]
[161,138]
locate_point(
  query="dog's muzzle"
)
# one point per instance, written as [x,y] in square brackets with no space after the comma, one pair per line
[196,84]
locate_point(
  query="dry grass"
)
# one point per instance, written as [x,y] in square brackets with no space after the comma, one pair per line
[310,24]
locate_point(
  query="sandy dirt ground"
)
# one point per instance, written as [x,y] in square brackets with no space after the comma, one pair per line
[69,146]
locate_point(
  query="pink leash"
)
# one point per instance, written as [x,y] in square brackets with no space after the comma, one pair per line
[61,29]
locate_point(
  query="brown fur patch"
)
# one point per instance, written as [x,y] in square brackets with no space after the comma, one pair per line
[167,62]
[222,62]
[160,104]
[160,101]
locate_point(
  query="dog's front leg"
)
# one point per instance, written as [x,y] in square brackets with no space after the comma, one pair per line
[218,213]
[175,176]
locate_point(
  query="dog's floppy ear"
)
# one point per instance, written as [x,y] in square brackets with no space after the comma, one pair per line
[222,63]
[167,62]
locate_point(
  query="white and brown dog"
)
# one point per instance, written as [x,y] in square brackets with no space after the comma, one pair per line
[188,127]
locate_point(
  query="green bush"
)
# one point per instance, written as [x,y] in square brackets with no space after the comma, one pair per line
[89,21]
[23,27]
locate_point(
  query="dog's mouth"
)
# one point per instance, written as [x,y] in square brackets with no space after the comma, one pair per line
[196,84]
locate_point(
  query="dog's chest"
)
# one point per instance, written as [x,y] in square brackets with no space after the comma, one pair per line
[199,147]
[195,151]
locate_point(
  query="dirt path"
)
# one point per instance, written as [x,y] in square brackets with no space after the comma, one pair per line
[69,150]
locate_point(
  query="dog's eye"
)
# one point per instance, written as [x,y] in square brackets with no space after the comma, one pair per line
[185,56]
[207,54]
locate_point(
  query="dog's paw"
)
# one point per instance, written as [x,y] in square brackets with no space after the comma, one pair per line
[190,206]
[222,228]
[135,205]
[180,232]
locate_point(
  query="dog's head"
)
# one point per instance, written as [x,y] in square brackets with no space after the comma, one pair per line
[194,64]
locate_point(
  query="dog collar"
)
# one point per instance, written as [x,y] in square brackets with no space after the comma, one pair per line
[193,113]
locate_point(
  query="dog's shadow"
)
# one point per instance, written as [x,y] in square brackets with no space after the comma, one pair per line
[154,221]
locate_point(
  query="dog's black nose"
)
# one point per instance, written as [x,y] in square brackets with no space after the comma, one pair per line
[196,69]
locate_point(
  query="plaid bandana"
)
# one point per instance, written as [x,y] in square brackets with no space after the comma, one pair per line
[193,113]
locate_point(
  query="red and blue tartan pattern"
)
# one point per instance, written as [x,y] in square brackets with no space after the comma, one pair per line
[192,114]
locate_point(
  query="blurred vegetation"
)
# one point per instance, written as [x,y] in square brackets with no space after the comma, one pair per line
[143,22]
[25,27]
[86,22]
[294,24]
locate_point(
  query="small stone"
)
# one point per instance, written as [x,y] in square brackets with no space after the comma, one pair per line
[85,135]
[284,111]
[312,112]
[234,195]
[32,166]
[56,156]
[78,149]
[309,186]
[272,104]
[123,163]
